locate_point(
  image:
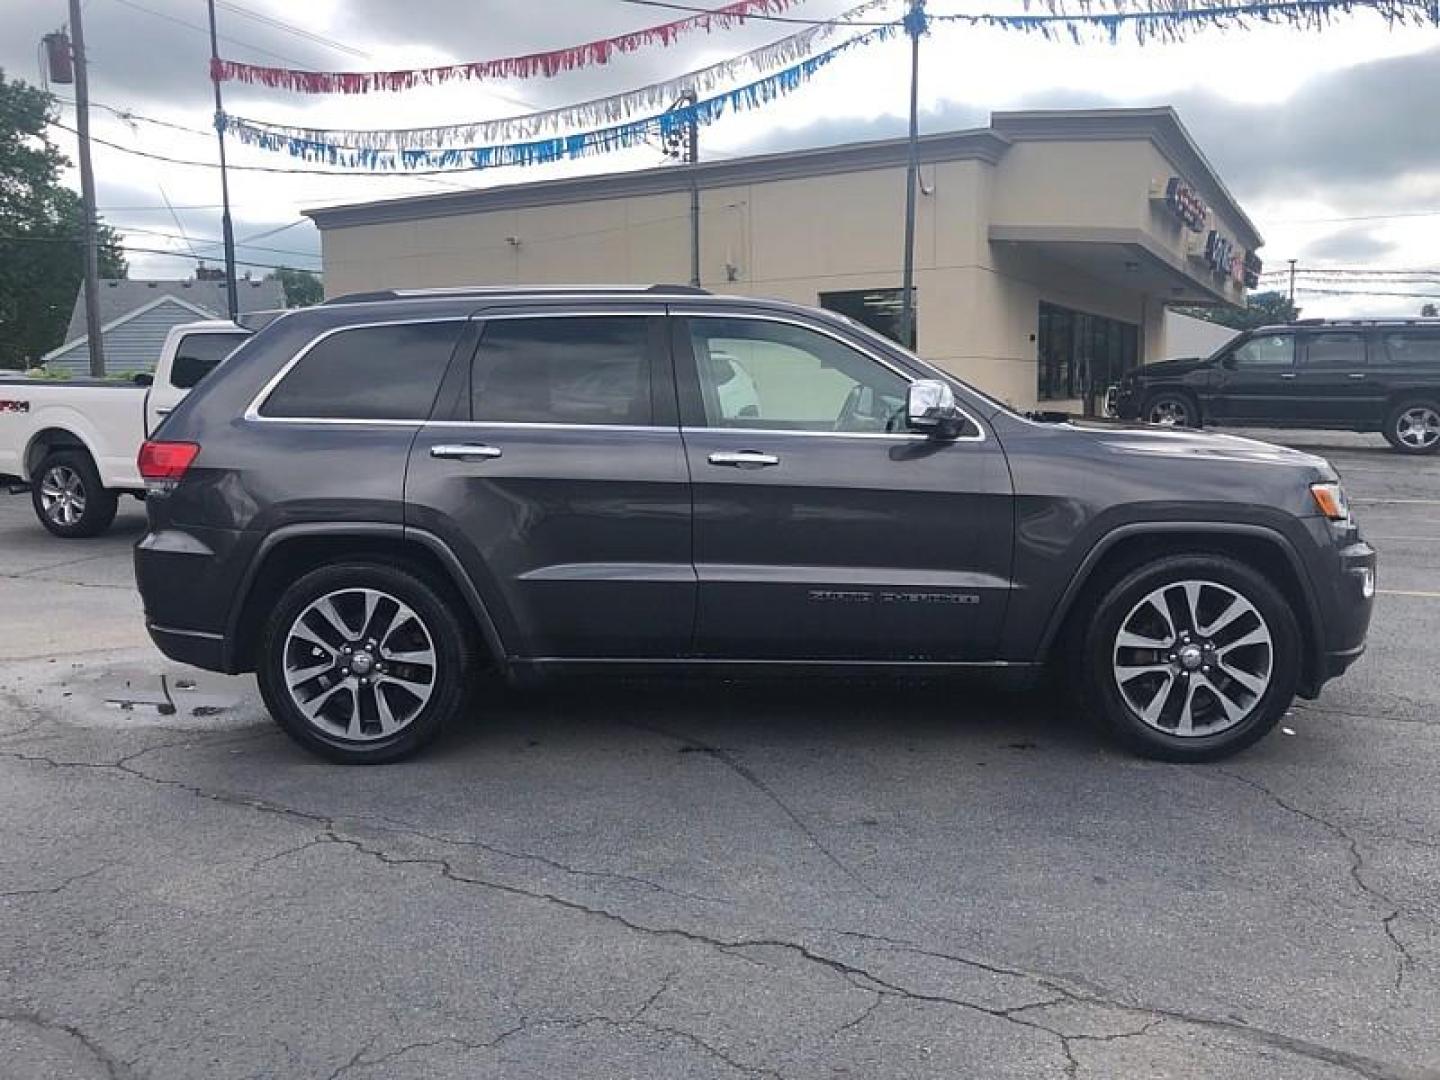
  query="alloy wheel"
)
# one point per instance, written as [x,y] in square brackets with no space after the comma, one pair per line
[1418,427]
[62,495]
[1193,658]
[359,664]
[1169,412]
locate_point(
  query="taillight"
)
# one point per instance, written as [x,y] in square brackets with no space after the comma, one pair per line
[166,460]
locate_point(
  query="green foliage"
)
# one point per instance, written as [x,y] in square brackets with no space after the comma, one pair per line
[1429,311]
[41,225]
[302,288]
[1264,309]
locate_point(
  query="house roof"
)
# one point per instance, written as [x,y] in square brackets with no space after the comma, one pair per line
[123,297]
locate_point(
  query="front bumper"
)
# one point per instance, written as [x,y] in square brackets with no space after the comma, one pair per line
[1121,403]
[1345,592]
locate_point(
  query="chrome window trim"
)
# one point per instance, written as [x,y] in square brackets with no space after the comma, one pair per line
[723,313]
[536,425]
[252,412]
[902,436]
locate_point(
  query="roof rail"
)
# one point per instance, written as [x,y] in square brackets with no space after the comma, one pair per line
[517,290]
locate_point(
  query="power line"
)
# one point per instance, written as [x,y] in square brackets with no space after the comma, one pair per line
[160,233]
[129,116]
[206,31]
[1354,271]
[168,251]
[1365,292]
[759,17]
[298,31]
[1356,217]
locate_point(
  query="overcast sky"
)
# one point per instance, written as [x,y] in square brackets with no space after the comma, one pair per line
[1330,140]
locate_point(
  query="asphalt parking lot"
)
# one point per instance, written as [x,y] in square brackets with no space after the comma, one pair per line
[676,880]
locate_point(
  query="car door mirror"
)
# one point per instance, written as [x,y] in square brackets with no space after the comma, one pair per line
[930,406]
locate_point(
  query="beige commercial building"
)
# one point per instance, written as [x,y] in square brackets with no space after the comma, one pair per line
[1048,245]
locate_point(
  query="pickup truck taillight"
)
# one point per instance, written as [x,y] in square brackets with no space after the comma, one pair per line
[166,460]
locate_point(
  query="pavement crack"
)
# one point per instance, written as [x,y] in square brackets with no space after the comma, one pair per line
[1403,958]
[114,1068]
[51,890]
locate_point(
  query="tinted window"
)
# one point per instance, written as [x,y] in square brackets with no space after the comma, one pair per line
[879,309]
[1270,351]
[369,373]
[563,370]
[197,356]
[1413,349]
[1335,351]
[760,374]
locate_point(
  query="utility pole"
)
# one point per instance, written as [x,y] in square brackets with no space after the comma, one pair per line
[87,195]
[915,25]
[688,145]
[227,230]
[1292,281]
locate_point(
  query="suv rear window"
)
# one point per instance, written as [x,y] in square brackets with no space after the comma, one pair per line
[198,354]
[389,372]
[1339,350]
[1413,349]
[563,370]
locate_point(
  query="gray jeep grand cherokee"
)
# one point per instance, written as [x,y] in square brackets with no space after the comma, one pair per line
[375,496]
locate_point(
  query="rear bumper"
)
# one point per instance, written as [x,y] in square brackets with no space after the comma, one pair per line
[187,580]
[194,647]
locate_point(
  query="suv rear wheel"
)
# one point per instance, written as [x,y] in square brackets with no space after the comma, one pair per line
[68,497]
[1170,408]
[1413,427]
[363,663]
[1191,658]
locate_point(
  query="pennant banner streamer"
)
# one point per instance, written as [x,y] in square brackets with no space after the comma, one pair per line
[614,109]
[531,65]
[556,148]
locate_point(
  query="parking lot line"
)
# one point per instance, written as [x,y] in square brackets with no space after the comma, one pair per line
[1409,592]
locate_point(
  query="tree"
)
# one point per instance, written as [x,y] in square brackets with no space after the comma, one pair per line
[1429,311]
[42,226]
[1264,309]
[302,287]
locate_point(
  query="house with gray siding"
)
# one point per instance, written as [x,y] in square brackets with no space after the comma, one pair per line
[135,316]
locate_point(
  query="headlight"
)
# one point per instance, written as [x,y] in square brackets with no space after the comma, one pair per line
[1330,498]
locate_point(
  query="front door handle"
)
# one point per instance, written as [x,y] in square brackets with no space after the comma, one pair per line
[465,451]
[1287,375]
[164,410]
[1357,374]
[744,459]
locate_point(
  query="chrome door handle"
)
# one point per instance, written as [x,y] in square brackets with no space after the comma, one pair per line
[1287,375]
[465,451]
[167,411]
[1357,375]
[744,459]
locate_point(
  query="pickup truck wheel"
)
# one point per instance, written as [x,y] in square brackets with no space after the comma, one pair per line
[1191,658]
[1413,427]
[363,663]
[68,497]
[1170,408]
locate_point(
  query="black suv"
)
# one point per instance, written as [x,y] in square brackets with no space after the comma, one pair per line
[374,497]
[1355,375]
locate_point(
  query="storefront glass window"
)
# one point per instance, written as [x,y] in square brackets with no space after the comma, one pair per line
[1081,354]
[879,309]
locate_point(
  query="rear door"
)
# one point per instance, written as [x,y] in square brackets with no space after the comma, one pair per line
[554,469]
[823,528]
[1255,381]
[1334,382]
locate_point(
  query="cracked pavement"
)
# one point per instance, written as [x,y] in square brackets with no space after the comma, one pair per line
[662,879]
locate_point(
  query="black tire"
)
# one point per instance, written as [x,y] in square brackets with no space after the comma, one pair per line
[1407,436]
[442,632]
[1099,689]
[1181,407]
[68,497]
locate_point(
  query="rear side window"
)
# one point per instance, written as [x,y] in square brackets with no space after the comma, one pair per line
[198,354]
[1269,351]
[1340,350]
[563,370]
[387,372]
[1411,349]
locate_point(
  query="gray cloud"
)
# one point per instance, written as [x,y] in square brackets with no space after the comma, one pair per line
[1355,244]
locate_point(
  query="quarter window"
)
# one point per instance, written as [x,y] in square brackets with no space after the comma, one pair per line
[1335,351]
[198,355]
[777,376]
[1413,350]
[564,370]
[1270,351]
[387,372]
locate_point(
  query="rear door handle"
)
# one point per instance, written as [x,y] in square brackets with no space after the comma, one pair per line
[743,459]
[1357,375]
[1287,375]
[465,451]
[166,411]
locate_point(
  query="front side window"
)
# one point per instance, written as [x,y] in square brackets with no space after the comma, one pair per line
[1270,351]
[1410,349]
[575,369]
[776,376]
[1335,351]
[389,372]
[199,354]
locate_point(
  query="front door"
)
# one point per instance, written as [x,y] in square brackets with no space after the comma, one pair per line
[1256,380]
[554,468]
[824,529]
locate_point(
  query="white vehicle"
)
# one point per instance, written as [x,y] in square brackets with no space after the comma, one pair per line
[74,444]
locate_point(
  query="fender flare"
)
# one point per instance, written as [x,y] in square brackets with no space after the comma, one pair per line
[454,569]
[1102,546]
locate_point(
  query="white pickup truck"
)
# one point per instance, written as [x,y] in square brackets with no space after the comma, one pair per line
[74,444]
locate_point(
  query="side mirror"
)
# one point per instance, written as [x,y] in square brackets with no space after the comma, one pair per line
[930,407]
[143,378]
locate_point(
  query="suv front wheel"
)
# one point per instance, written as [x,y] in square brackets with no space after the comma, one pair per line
[363,663]
[1191,658]
[1170,408]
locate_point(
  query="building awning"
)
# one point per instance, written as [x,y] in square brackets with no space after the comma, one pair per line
[1125,258]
